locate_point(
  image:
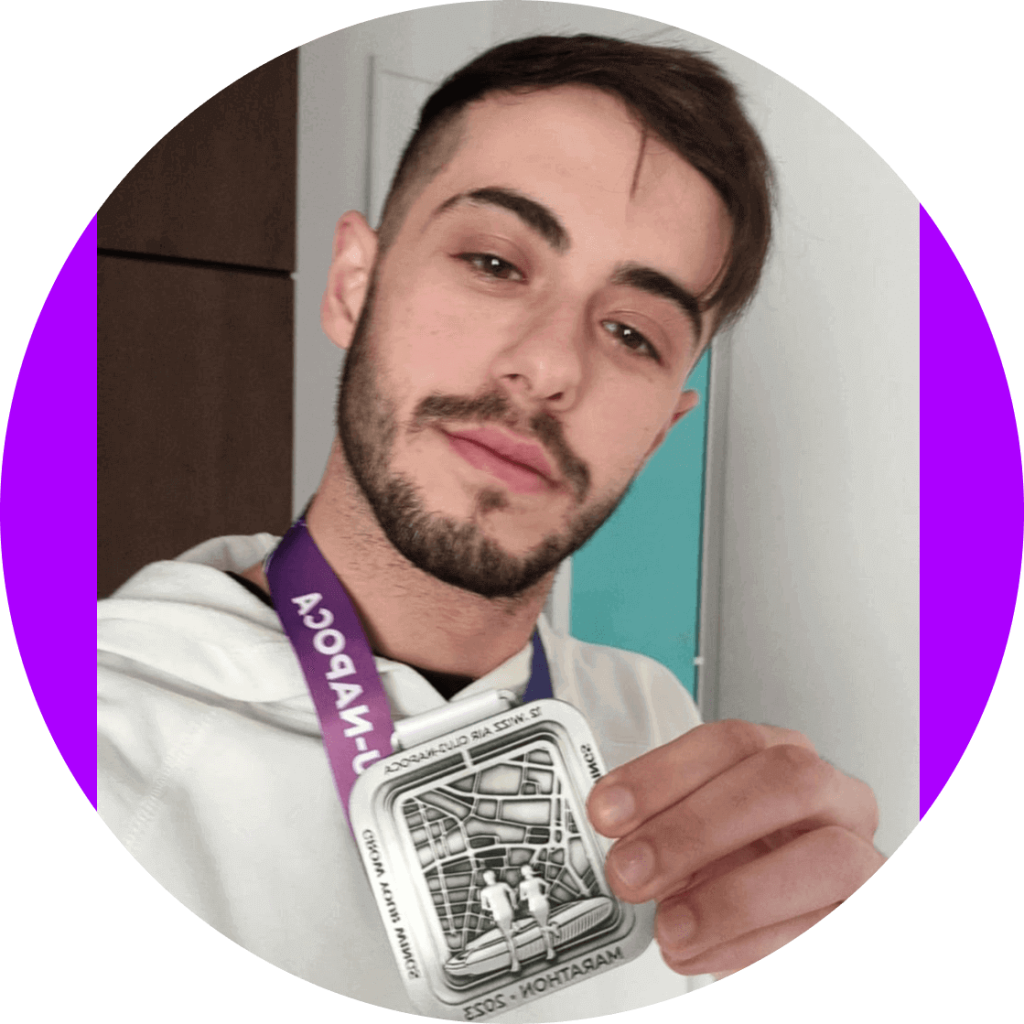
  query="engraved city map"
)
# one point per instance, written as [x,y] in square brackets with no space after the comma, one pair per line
[503,858]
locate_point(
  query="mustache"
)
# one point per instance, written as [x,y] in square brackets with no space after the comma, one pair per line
[496,407]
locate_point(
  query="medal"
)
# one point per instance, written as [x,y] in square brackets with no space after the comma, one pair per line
[486,872]
[470,819]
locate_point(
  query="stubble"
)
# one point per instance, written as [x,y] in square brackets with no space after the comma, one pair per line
[456,552]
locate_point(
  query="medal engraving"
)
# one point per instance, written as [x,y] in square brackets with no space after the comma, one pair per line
[485,869]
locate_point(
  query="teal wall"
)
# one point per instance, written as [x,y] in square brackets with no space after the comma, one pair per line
[636,583]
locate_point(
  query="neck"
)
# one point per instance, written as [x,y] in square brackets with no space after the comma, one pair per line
[409,615]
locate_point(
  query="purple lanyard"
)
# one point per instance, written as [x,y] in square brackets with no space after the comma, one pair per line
[336,659]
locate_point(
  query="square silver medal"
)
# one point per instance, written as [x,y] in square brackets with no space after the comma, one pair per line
[487,874]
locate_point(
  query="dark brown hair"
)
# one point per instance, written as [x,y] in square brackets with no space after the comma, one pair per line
[677,95]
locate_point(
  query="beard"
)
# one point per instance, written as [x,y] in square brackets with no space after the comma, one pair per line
[457,552]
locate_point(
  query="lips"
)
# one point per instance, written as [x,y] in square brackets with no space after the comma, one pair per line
[520,464]
[522,452]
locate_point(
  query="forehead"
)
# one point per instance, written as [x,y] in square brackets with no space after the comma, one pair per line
[582,153]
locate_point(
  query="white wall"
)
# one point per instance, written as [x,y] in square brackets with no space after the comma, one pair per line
[810,578]
[816,491]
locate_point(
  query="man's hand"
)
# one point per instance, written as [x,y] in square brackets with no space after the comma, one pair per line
[743,835]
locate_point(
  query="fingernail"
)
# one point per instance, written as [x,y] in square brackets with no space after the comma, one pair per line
[676,926]
[633,863]
[612,807]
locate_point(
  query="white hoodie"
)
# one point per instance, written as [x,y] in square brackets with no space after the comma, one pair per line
[212,772]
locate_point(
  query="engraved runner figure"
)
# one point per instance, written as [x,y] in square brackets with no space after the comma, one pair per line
[498,899]
[533,890]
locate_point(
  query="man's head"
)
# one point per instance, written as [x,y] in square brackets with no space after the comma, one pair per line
[549,269]
[675,95]
[489,878]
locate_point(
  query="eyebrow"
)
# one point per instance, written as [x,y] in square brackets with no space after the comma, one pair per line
[534,215]
[540,219]
[646,279]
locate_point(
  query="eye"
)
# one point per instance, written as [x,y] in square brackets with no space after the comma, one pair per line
[492,266]
[631,338]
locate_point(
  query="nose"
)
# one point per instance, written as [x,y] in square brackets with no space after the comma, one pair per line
[545,361]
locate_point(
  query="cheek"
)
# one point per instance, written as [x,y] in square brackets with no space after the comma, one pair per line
[438,343]
[618,430]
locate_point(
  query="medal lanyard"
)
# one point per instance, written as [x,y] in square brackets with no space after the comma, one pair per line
[336,659]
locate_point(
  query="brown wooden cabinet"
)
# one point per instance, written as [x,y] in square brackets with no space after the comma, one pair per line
[196,252]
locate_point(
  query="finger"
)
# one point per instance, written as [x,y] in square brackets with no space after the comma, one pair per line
[783,787]
[748,949]
[818,870]
[642,788]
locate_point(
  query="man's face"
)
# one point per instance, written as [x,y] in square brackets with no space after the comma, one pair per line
[527,336]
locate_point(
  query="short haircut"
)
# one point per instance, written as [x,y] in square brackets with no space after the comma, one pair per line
[677,95]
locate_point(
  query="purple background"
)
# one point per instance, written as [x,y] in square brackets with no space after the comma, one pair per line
[972,512]
[48,512]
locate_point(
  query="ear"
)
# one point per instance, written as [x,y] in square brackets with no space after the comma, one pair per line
[348,280]
[688,401]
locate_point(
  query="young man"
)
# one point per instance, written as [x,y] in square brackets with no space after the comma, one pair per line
[571,223]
